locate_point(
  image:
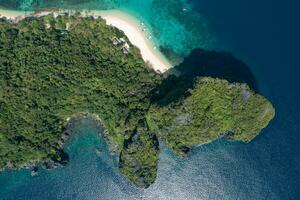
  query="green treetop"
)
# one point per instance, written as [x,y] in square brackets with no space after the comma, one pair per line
[54,68]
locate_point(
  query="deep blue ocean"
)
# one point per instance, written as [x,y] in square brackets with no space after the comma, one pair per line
[266,36]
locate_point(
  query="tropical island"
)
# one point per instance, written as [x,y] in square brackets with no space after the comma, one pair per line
[57,68]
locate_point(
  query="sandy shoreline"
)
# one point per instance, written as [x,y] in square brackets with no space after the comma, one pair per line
[11,14]
[123,21]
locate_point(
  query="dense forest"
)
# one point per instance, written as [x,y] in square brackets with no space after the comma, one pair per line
[211,109]
[53,68]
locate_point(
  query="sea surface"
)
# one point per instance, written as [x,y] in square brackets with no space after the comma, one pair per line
[263,34]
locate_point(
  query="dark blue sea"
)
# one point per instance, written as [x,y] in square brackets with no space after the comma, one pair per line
[265,35]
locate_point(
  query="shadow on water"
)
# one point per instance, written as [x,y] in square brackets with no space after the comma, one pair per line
[200,62]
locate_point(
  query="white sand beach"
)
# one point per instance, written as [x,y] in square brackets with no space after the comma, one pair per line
[11,14]
[123,21]
[137,36]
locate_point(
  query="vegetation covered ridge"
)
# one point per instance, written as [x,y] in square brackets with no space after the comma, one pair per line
[53,68]
[212,108]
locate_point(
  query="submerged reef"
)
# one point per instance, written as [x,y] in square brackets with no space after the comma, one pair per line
[54,68]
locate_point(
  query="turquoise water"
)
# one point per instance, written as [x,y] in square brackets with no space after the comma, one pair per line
[265,35]
[171,22]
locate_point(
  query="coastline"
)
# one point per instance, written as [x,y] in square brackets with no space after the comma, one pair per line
[67,133]
[61,158]
[102,130]
[131,27]
[137,35]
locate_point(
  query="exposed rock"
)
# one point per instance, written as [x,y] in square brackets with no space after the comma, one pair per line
[34,171]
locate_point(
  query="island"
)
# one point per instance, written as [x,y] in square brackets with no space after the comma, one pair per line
[57,68]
